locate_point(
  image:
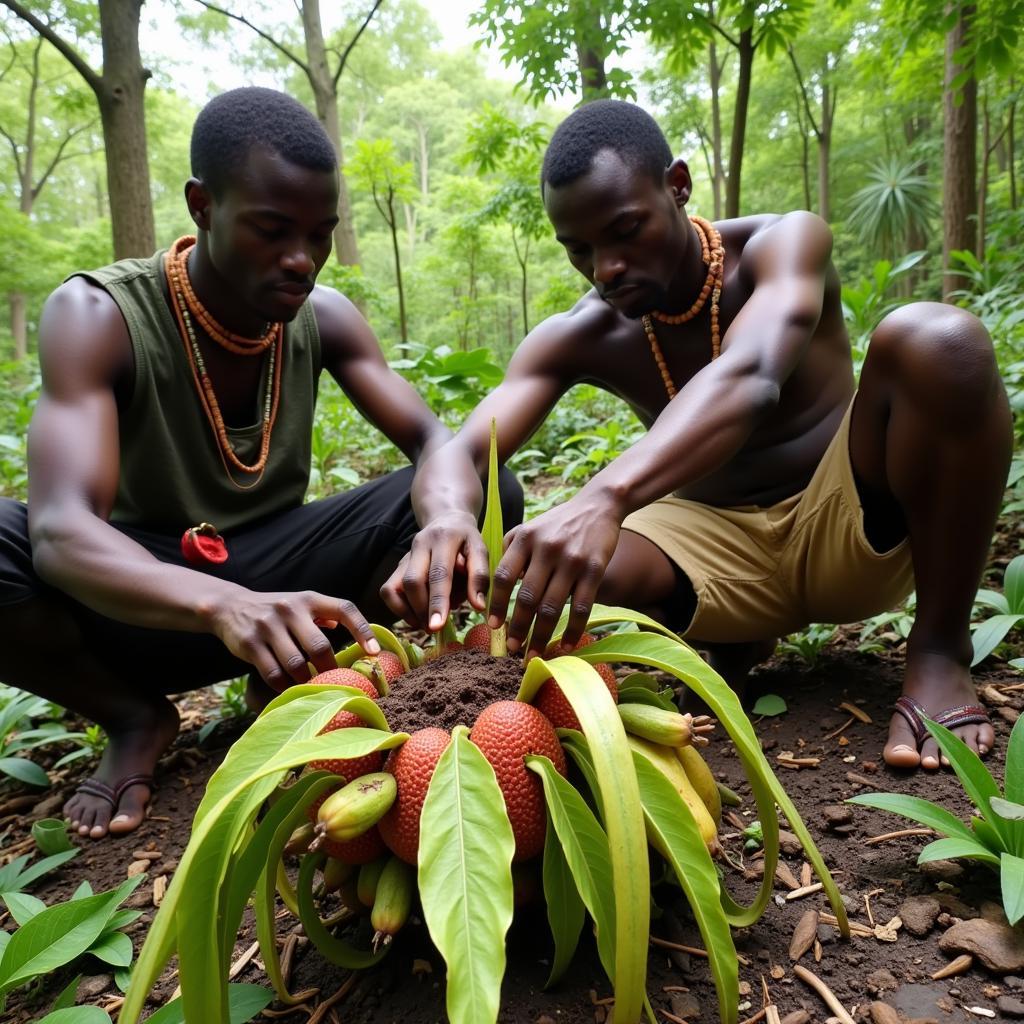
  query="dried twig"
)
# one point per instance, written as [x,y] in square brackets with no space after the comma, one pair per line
[242,962]
[759,1016]
[324,1008]
[835,732]
[960,965]
[858,780]
[886,836]
[855,927]
[665,944]
[857,712]
[672,1017]
[827,995]
[804,890]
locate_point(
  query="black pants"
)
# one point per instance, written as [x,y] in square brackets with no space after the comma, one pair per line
[344,546]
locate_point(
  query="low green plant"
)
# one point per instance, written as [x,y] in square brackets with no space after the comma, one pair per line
[19,874]
[808,643]
[994,836]
[899,621]
[753,836]
[48,938]
[17,711]
[232,705]
[1009,607]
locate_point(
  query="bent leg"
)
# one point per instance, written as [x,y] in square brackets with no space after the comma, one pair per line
[930,445]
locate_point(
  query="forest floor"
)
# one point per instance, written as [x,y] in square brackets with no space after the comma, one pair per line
[879,879]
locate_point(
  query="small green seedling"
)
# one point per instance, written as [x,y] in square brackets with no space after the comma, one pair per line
[996,837]
[769,705]
[809,643]
[753,836]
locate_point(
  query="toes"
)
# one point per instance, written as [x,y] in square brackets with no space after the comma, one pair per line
[930,755]
[901,749]
[130,811]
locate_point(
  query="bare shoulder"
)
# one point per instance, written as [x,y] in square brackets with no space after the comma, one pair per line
[343,329]
[83,336]
[798,241]
[565,344]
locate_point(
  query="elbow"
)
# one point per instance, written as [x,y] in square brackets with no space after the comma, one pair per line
[50,546]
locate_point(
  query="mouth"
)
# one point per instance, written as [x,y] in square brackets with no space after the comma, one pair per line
[292,293]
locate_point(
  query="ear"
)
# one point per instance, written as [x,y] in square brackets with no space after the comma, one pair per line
[198,200]
[678,180]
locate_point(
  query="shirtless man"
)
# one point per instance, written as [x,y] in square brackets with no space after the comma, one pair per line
[763,497]
[178,391]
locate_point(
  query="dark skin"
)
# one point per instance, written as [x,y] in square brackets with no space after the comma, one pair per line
[930,435]
[261,244]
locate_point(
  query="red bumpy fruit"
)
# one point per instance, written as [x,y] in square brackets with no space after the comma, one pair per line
[349,768]
[553,703]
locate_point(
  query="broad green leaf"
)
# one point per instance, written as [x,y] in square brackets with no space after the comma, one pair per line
[284,736]
[57,935]
[1014,781]
[1011,880]
[244,1002]
[642,679]
[51,836]
[922,811]
[11,874]
[114,948]
[989,635]
[585,847]
[993,599]
[77,1015]
[123,918]
[1007,809]
[641,695]
[388,641]
[950,849]
[5,938]
[84,889]
[465,878]
[989,837]
[22,906]
[979,786]
[1013,585]
[67,996]
[335,950]
[565,909]
[770,704]
[673,832]
[623,816]
[574,743]
[24,771]
[669,654]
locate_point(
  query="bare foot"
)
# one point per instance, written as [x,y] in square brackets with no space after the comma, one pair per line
[937,682]
[133,748]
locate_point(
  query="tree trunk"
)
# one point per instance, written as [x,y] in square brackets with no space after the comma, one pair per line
[718,173]
[1011,151]
[828,107]
[739,122]
[590,55]
[123,113]
[19,323]
[986,149]
[325,98]
[959,185]
[917,239]
[393,224]
[805,146]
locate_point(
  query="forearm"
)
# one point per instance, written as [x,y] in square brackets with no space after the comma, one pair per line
[99,566]
[447,483]
[694,436]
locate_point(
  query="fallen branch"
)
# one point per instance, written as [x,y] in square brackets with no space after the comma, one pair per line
[835,732]
[665,944]
[885,837]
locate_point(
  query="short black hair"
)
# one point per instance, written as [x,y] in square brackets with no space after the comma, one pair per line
[235,121]
[605,124]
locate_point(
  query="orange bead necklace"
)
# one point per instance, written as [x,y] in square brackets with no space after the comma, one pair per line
[713,254]
[186,306]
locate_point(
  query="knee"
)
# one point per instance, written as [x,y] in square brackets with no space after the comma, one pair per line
[941,355]
[510,491]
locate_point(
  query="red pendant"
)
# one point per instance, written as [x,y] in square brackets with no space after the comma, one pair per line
[203,545]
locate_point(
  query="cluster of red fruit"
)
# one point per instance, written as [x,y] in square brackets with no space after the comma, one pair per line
[505,732]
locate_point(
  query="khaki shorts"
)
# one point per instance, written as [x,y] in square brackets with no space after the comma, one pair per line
[760,573]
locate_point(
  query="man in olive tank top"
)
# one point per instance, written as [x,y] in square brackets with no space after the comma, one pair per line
[165,544]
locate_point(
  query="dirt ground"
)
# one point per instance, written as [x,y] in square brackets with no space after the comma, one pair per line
[876,878]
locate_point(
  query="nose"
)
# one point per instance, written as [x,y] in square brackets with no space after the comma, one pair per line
[608,267]
[298,262]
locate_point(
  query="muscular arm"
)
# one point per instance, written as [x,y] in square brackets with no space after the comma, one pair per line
[84,350]
[718,409]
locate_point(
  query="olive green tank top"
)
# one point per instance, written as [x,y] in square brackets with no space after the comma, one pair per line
[171,474]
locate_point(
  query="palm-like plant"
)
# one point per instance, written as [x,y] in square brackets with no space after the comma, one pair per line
[895,201]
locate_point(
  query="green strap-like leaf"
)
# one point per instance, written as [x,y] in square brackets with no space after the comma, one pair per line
[1011,880]
[1014,778]
[641,695]
[22,906]
[336,950]
[979,786]
[244,1002]
[565,909]
[465,878]
[922,811]
[24,770]
[673,832]
[623,818]
[1013,585]
[77,1015]
[1007,809]
[989,635]
[58,934]
[950,849]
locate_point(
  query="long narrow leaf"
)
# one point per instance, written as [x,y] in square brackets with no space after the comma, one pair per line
[465,878]
[1011,880]
[1013,585]
[244,1002]
[950,849]
[623,818]
[585,846]
[916,809]
[565,909]
[1013,783]
[989,635]
[673,831]
[493,531]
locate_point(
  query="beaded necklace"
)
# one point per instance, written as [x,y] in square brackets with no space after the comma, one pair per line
[713,255]
[186,306]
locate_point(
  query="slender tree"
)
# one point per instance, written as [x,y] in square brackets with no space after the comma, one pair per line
[119,92]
